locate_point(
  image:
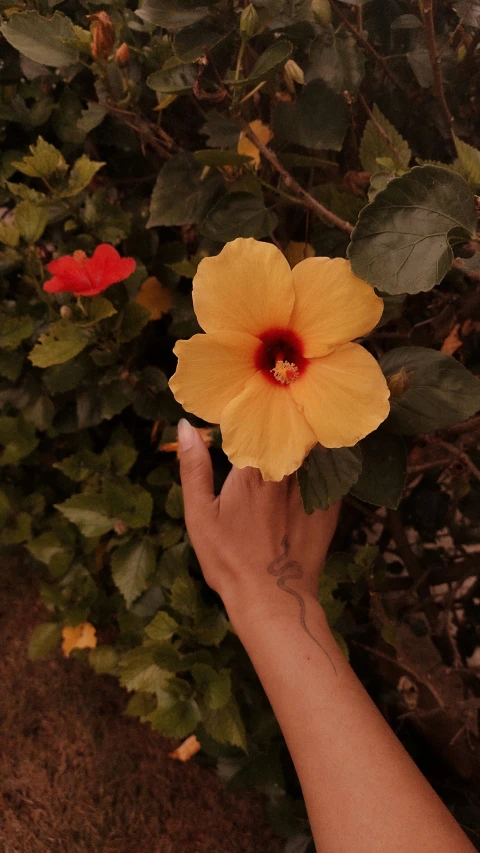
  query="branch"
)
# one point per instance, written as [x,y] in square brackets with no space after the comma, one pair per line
[307,200]
[363,42]
[459,454]
[438,88]
[402,544]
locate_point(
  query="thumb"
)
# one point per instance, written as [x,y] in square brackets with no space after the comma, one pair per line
[196,471]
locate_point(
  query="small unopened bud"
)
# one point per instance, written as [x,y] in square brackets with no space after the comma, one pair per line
[293,74]
[399,382]
[120,527]
[122,55]
[322,12]
[66,312]
[103,35]
[249,22]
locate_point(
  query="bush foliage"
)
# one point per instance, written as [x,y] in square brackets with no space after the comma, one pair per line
[167,129]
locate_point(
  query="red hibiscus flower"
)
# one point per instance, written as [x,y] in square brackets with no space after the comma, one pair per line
[88,276]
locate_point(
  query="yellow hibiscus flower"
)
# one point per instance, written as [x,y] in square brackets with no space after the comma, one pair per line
[276,368]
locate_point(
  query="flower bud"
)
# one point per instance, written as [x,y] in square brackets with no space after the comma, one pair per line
[249,22]
[103,35]
[66,312]
[122,55]
[120,527]
[293,74]
[322,12]
[399,382]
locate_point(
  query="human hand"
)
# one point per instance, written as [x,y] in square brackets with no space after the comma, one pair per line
[254,541]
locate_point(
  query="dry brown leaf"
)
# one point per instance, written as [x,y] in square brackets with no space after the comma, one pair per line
[155,297]
[172,446]
[248,148]
[453,341]
[296,252]
[103,35]
[82,636]
[186,750]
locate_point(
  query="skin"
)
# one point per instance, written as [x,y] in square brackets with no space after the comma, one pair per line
[263,555]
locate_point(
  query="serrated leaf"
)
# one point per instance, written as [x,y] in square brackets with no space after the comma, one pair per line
[174,502]
[402,242]
[317,119]
[13,330]
[171,14]
[17,440]
[184,598]
[129,502]
[138,671]
[99,309]
[469,158]
[384,470]
[133,565]
[440,391]
[373,145]
[238,214]
[31,220]
[135,318]
[103,660]
[83,170]
[9,235]
[11,364]
[225,724]
[222,132]
[62,342]
[175,718]
[180,197]
[162,626]
[267,64]
[48,41]
[49,549]
[44,639]
[327,475]
[336,60]
[89,513]
[18,529]
[215,686]
[211,627]
[469,12]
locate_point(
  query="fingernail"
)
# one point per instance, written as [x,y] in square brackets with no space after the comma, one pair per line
[186,435]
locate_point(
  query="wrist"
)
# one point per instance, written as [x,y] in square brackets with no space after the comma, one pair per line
[247,611]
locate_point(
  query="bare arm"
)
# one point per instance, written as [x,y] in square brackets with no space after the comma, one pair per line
[263,555]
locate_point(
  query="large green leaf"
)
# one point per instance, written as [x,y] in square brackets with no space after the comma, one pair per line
[132,567]
[469,162]
[225,724]
[162,627]
[175,718]
[327,475]
[438,392]
[469,12]
[17,439]
[173,81]
[268,63]
[403,240]
[48,41]
[215,686]
[171,14]
[238,215]
[43,161]
[317,119]
[179,196]
[90,513]
[374,146]
[62,342]
[13,330]
[384,469]
[138,671]
[191,42]
[336,60]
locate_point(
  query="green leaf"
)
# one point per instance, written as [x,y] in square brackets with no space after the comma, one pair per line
[421,65]
[17,440]
[138,671]
[49,549]
[469,158]
[225,724]
[103,660]
[175,718]
[18,530]
[31,220]
[162,627]
[129,502]
[173,81]
[210,157]
[222,132]
[403,240]
[44,639]
[171,14]
[62,342]
[373,145]
[440,391]
[47,41]
[191,42]
[469,12]
[133,565]
[108,221]
[13,330]
[384,470]
[184,598]
[11,364]
[80,176]
[99,308]
[267,64]
[215,687]
[317,119]
[238,215]
[327,475]
[180,197]
[211,627]
[9,235]
[336,60]
[44,161]
[174,502]
[89,512]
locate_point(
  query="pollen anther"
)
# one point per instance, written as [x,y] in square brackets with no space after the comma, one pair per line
[285,372]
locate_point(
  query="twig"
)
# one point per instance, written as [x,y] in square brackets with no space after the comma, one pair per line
[363,42]
[425,466]
[405,668]
[459,454]
[438,87]
[291,183]
[469,426]
[459,265]
[403,546]
[379,128]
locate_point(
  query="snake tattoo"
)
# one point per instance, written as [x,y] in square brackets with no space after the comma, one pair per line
[288,570]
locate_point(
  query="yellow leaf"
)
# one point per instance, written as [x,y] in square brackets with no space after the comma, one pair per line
[248,148]
[82,636]
[453,341]
[296,252]
[186,750]
[156,298]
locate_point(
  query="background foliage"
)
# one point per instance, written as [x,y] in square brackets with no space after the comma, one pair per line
[167,129]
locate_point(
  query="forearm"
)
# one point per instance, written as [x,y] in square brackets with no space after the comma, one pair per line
[363,792]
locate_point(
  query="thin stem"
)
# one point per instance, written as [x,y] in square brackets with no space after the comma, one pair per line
[438,87]
[253,92]
[238,66]
[379,128]
[460,454]
[290,198]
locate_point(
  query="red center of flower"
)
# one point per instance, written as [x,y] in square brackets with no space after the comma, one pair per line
[280,356]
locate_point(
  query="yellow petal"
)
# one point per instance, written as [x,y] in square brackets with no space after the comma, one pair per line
[249,148]
[263,428]
[332,305]
[82,636]
[344,396]
[155,297]
[296,252]
[211,371]
[186,750]
[248,287]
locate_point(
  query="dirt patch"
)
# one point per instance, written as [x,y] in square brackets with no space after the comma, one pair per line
[76,775]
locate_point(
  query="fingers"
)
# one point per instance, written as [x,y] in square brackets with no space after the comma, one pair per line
[196,471]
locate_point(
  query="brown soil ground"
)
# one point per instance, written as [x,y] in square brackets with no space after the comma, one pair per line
[77,775]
